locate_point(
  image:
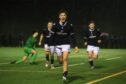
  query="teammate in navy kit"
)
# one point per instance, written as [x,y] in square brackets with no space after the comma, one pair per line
[47,36]
[63,34]
[92,39]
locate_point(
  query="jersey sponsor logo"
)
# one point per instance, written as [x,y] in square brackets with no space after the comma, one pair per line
[71,33]
[48,36]
[92,36]
[61,33]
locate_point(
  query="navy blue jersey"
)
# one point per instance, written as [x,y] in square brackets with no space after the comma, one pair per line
[48,36]
[91,36]
[64,34]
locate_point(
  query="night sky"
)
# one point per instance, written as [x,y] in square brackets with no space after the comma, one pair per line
[23,16]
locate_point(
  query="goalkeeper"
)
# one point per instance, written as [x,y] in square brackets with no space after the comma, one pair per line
[29,50]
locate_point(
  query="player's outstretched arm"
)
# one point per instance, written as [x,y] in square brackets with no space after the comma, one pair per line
[40,40]
[99,36]
[73,39]
[85,38]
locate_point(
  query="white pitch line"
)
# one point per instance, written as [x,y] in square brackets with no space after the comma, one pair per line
[37,71]
[21,71]
[106,77]
[113,58]
[72,65]
[3,63]
[58,67]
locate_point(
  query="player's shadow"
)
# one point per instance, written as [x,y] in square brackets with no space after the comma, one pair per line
[74,78]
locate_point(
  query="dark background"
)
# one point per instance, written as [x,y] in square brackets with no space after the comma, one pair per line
[18,18]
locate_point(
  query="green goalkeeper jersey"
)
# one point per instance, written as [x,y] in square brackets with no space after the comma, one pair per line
[31,42]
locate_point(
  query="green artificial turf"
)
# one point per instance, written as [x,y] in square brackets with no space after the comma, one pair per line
[110,61]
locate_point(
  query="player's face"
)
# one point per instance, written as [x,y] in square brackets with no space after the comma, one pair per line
[50,25]
[35,34]
[91,25]
[62,17]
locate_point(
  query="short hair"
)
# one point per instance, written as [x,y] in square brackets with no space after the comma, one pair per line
[91,22]
[50,21]
[63,11]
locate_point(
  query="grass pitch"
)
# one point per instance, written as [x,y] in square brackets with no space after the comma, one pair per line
[110,63]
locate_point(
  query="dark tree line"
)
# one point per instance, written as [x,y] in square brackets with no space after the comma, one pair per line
[108,41]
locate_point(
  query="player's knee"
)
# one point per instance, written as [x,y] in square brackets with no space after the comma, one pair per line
[90,56]
[47,52]
[95,56]
[24,58]
[65,60]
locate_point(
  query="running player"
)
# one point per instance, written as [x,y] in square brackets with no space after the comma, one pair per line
[63,34]
[92,39]
[47,36]
[29,50]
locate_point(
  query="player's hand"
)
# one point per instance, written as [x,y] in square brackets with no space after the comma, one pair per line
[39,43]
[76,49]
[99,41]
[85,44]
